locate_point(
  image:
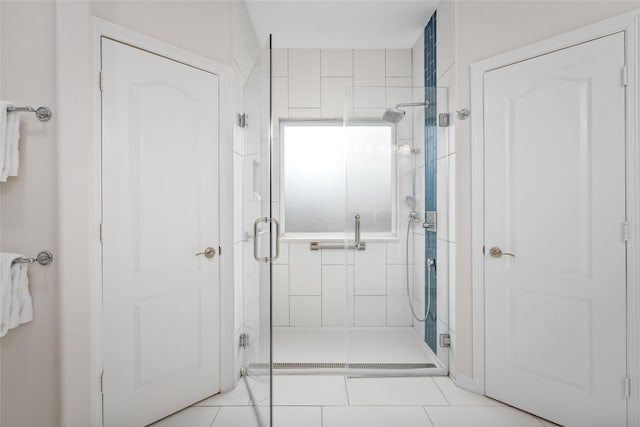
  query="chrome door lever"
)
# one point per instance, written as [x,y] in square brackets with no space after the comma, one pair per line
[208,252]
[497,252]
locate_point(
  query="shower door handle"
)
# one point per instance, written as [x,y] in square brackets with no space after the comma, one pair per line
[265,220]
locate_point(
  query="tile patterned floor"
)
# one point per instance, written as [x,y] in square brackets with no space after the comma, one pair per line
[337,401]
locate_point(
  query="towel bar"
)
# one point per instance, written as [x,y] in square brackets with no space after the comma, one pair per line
[42,113]
[43,258]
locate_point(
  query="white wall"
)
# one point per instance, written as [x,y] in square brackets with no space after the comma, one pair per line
[312,288]
[204,28]
[31,352]
[482,29]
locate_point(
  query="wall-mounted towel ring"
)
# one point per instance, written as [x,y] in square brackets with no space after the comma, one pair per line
[43,258]
[42,113]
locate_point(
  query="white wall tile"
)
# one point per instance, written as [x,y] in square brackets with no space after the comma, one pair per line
[284,254]
[363,113]
[336,62]
[304,78]
[280,62]
[418,61]
[369,67]
[369,97]
[333,95]
[446,143]
[445,35]
[280,102]
[304,113]
[305,311]
[406,82]
[398,311]
[370,268]
[442,281]
[419,266]
[370,311]
[280,295]
[305,270]
[418,326]
[452,197]
[238,233]
[337,256]
[238,278]
[399,62]
[452,286]
[397,251]
[337,295]
[442,198]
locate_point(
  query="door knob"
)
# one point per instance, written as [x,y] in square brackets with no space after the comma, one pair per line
[208,252]
[497,252]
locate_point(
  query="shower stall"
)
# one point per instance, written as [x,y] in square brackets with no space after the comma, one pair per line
[341,269]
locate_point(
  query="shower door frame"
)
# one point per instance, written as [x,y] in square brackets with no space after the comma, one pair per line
[102,28]
[629,24]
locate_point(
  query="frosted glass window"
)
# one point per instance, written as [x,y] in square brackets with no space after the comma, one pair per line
[329,175]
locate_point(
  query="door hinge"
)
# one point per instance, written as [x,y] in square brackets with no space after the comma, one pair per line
[242,120]
[627,387]
[625,231]
[219,250]
[100,232]
[625,75]
[443,120]
[445,340]
[244,340]
[100,81]
[102,382]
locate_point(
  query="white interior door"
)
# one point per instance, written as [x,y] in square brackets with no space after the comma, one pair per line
[160,208]
[555,198]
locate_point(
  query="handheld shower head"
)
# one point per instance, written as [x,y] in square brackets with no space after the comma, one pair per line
[395,114]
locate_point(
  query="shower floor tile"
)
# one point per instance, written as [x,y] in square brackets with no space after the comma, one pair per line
[355,345]
[338,401]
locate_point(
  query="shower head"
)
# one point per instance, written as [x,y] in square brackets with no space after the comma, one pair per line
[395,114]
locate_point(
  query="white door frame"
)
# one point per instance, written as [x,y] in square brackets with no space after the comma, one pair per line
[629,24]
[101,28]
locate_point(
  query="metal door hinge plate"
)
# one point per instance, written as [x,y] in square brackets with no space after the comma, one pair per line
[100,81]
[625,75]
[244,340]
[445,340]
[627,387]
[242,120]
[443,120]
[625,231]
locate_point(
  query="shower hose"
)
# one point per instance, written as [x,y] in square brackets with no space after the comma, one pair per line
[429,265]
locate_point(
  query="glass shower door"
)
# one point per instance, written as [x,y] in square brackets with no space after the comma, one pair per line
[261,245]
[400,252]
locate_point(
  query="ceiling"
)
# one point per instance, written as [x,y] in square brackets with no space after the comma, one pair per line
[334,24]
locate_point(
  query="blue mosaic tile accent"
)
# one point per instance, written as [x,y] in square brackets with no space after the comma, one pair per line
[431,161]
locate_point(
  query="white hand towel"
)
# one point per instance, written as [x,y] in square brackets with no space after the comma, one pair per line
[9,141]
[16,306]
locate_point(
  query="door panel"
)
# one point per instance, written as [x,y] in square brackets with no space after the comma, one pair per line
[160,207]
[555,198]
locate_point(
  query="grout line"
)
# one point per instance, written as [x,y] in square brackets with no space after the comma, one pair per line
[441,392]
[215,416]
[346,388]
[428,416]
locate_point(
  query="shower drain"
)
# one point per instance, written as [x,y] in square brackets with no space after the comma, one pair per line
[308,365]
